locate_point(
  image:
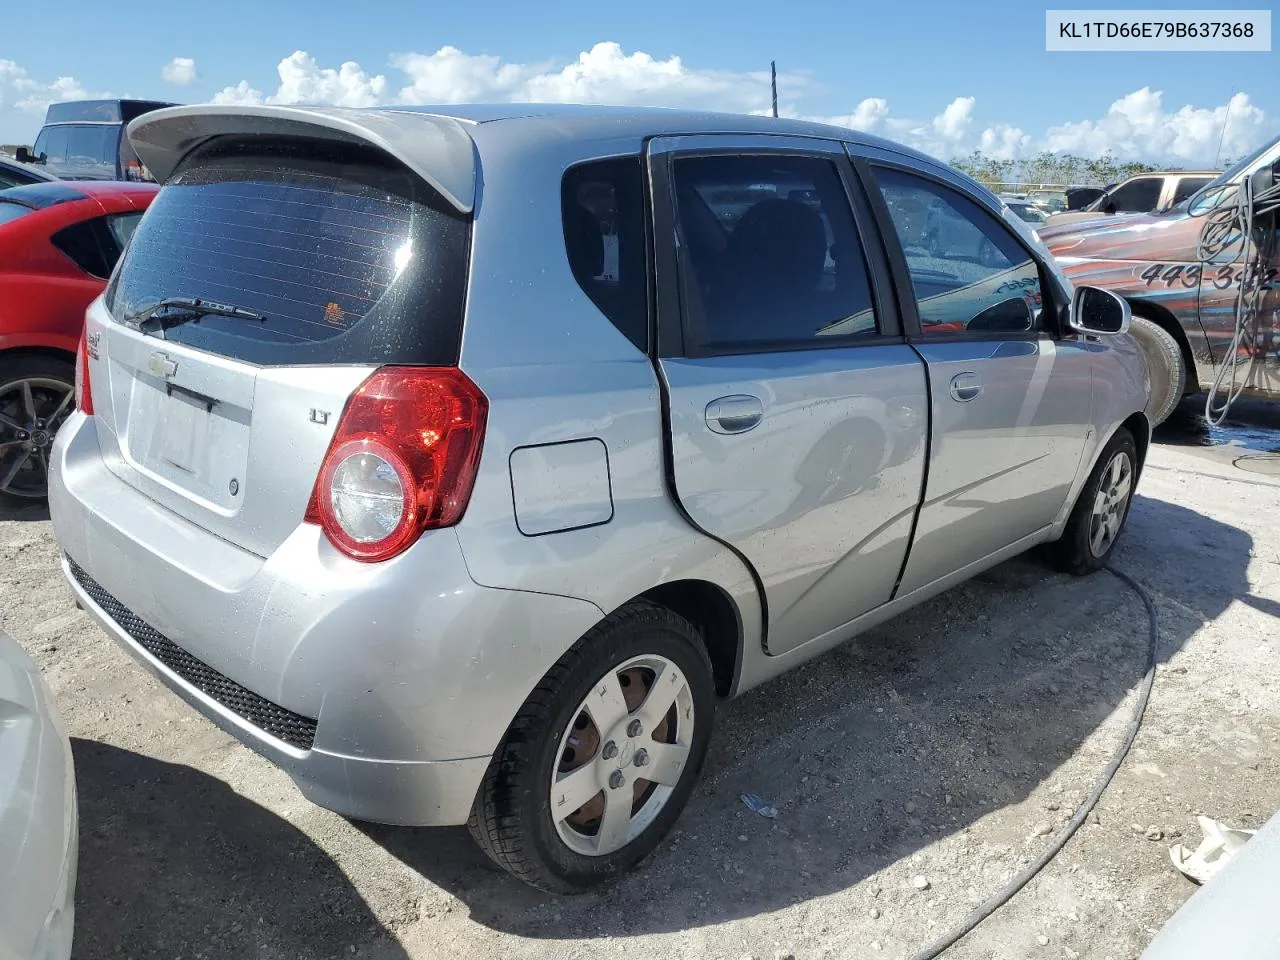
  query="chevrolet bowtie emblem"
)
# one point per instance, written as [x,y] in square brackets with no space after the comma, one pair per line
[160,365]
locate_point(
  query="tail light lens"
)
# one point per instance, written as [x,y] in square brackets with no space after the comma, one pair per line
[402,460]
[84,396]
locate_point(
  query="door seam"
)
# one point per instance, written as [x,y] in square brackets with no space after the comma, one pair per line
[669,481]
[924,473]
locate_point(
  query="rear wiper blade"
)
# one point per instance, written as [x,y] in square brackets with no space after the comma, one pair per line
[172,311]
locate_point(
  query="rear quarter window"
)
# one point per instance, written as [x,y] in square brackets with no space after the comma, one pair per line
[82,242]
[604,234]
[95,245]
[350,258]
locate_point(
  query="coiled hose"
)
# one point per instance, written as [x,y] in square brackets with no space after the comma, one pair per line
[1005,894]
[1237,225]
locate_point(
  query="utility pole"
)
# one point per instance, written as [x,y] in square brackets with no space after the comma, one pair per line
[773,83]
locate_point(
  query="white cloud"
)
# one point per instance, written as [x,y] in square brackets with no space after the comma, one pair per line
[868,116]
[303,80]
[953,123]
[1137,126]
[241,93]
[604,74]
[20,91]
[179,70]
[1004,142]
[607,74]
[451,76]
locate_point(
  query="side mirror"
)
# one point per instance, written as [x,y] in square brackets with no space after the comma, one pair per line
[1109,207]
[24,155]
[1094,310]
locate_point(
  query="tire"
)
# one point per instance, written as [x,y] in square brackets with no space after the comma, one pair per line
[51,381]
[1166,365]
[512,819]
[1077,551]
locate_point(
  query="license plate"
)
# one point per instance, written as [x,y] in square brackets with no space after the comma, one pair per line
[184,433]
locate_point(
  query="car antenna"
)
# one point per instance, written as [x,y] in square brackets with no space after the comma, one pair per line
[1223,136]
[773,85]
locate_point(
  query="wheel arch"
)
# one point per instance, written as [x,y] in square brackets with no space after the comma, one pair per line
[1139,428]
[713,611]
[38,350]
[1165,319]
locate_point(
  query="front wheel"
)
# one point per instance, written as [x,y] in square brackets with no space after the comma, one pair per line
[1100,512]
[603,755]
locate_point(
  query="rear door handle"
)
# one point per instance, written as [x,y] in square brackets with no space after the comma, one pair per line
[965,387]
[734,414]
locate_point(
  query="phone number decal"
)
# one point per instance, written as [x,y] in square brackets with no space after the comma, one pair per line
[1189,276]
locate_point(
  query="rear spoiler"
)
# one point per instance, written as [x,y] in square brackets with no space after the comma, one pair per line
[436,148]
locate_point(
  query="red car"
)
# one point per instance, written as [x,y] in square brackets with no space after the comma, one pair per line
[59,242]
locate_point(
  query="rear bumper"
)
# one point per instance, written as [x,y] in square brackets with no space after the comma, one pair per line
[381,689]
[425,793]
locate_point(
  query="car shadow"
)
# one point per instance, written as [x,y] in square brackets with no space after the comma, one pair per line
[174,863]
[914,731]
[25,510]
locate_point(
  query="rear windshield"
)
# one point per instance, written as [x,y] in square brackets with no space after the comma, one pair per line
[349,258]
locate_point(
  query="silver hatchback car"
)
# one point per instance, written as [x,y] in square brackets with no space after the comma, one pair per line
[461,460]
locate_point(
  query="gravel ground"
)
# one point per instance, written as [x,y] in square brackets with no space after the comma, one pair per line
[946,745]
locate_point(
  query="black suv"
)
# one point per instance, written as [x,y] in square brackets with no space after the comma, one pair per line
[85,140]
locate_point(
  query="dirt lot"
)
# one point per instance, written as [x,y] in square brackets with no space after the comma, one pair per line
[945,744]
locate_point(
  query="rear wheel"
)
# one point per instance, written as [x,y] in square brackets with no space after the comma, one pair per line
[37,393]
[1166,366]
[602,756]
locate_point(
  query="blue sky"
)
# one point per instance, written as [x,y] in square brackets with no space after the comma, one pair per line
[943,76]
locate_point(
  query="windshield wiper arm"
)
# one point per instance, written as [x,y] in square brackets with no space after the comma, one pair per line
[172,311]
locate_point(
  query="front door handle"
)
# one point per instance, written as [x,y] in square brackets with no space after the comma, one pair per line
[965,387]
[735,414]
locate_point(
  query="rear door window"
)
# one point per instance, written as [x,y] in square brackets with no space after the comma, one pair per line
[769,253]
[348,258]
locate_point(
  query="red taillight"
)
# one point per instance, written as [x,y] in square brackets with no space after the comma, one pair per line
[84,396]
[402,460]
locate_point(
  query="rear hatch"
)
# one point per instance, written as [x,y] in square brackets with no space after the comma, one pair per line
[336,256]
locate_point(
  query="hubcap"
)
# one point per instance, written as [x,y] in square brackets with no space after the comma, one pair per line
[621,755]
[31,410]
[1110,504]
